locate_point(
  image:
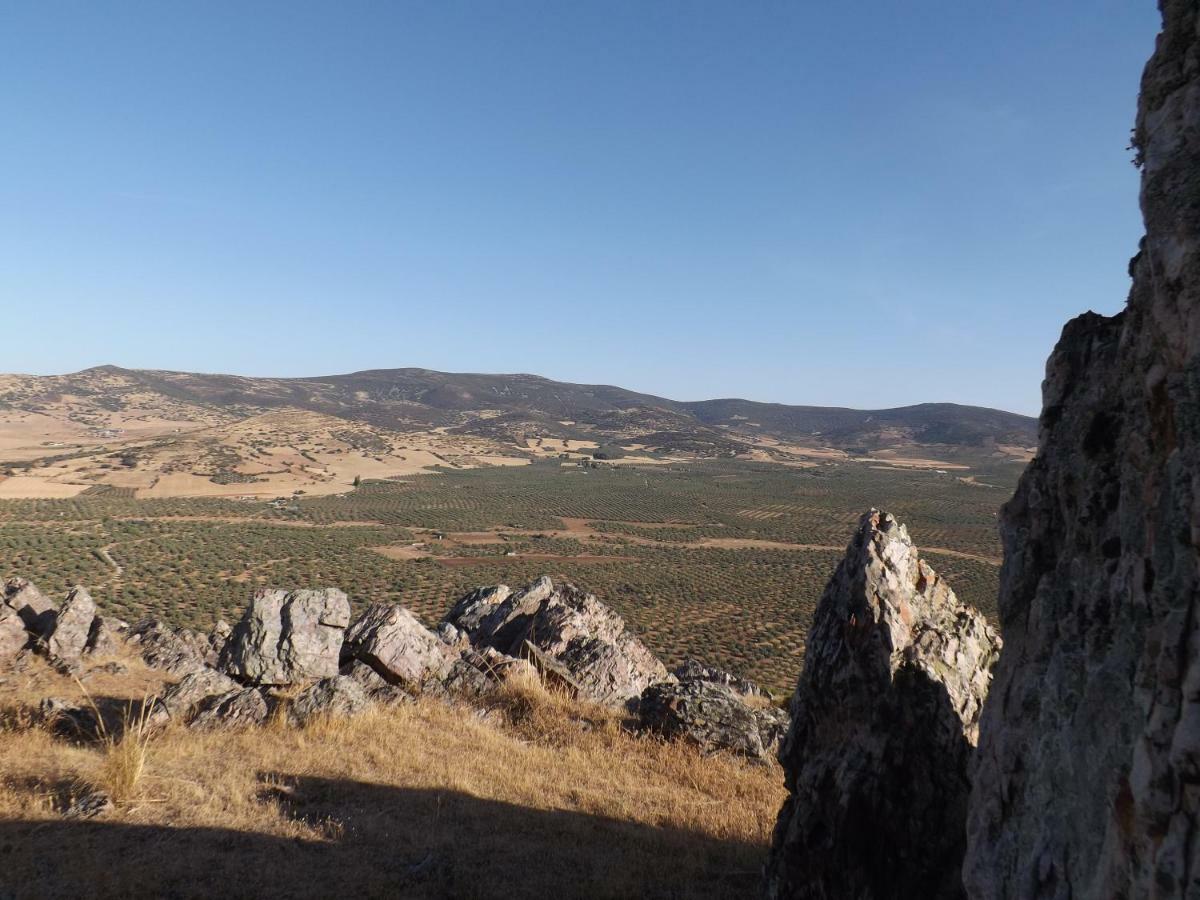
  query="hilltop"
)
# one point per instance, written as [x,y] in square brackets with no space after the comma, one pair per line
[161,434]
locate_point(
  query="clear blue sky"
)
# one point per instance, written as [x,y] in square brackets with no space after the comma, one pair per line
[861,204]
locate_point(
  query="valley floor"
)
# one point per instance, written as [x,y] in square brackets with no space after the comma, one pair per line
[534,796]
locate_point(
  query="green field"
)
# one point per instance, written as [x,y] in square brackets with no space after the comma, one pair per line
[747,609]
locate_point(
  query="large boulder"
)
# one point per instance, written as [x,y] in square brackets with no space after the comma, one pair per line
[713,716]
[13,636]
[560,623]
[1089,754]
[285,638]
[68,636]
[390,639]
[883,721]
[35,608]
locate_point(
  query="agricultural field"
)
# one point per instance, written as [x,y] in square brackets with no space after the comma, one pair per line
[719,559]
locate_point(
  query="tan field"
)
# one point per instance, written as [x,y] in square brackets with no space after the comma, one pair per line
[412,800]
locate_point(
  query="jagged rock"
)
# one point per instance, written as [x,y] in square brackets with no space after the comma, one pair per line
[72,624]
[376,688]
[104,635]
[390,639]
[240,707]
[883,720]
[35,608]
[13,636]
[1089,754]
[175,650]
[467,614]
[287,638]
[340,695]
[218,637]
[712,715]
[181,700]
[605,662]
[694,670]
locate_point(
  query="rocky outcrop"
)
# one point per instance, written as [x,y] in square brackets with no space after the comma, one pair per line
[174,650]
[287,638]
[180,701]
[338,696]
[883,721]
[13,636]
[695,670]
[104,635]
[390,639]
[236,708]
[1089,754]
[68,635]
[604,661]
[35,608]
[712,716]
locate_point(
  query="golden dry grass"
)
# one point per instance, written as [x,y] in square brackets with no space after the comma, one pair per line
[532,796]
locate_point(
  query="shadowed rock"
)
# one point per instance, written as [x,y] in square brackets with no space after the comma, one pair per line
[182,699]
[13,636]
[286,638]
[175,650]
[68,636]
[883,720]
[713,716]
[240,707]
[35,608]
[340,695]
[1089,753]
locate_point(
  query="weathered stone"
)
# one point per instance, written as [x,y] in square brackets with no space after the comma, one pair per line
[69,720]
[218,637]
[72,624]
[376,688]
[287,638]
[13,636]
[883,721]
[390,640]
[104,635]
[237,708]
[175,650]
[467,614]
[180,700]
[1089,758]
[35,608]
[694,670]
[340,695]
[713,716]
[605,662]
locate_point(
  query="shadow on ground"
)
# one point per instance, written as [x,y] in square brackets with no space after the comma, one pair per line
[378,841]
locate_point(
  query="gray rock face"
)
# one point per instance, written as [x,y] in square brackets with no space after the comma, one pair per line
[1089,754]
[68,637]
[181,700]
[391,640]
[883,721]
[472,609]
[287,638]
[340,695]
[694,670]
[175,650]
[713,716]
[35,608]
[13,636]
[104,635]
[605,660]
[235,709]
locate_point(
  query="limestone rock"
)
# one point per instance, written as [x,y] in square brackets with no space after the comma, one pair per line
[340,695]
[72,624]
[1089,753]
[175,650]
[104,635]
[605,662]
[35,608]
[694,670]
[237,708]
[713,716]
[13,636]
[883,721]
[180,701]
[285,638]
[390,639]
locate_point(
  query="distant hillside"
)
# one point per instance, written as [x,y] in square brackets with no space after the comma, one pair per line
[520,407]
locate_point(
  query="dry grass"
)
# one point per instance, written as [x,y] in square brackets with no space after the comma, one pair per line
[535,795]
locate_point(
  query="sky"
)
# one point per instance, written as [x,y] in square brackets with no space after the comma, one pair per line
[852,204]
